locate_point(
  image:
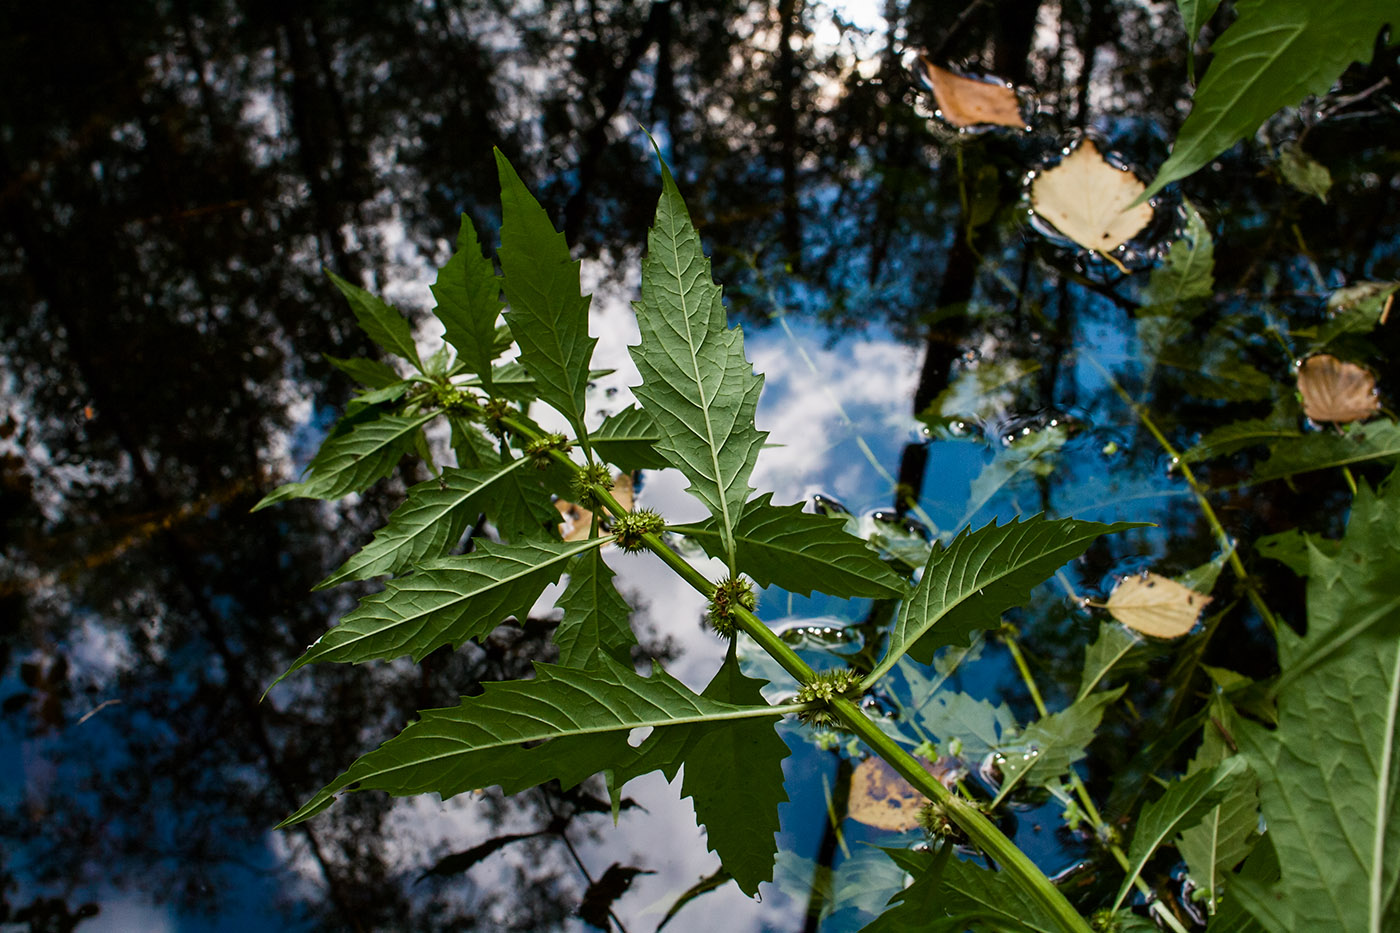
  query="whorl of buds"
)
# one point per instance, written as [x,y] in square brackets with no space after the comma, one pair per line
[631,527]
[454,401]
[539,449]
[587,483]
[731,593]
[829,685]
[495,409]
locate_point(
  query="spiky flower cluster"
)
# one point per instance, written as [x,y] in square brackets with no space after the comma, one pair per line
[454,401]
[731,593]
[631,527]
[539,448]
[587,483]
[935,821]
[828,685]
[495,409]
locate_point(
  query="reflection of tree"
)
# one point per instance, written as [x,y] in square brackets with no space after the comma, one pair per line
[172,176]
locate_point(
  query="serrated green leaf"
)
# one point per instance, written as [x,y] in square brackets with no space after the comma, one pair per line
[1239,435]
[1188,272]
[628,439]
[377,318]
[1329,772]
[800,552]
[1321,450]
[970,583]
[521,507]
[1275,53]
[367,372]
[1215,373]
[595,615]
[548,314]
[696,383]
[446,602]
[733,772]
[1224,836]
[354,460]
[428,524]
[1113,643]
[949,895]
[1303,172]
[1185,803]
[468,294]
[979,393]
[1292,547]
[1028,455]
[1052,744]
[978,725]
[565,725]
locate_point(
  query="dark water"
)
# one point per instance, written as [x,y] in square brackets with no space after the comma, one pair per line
[173,175]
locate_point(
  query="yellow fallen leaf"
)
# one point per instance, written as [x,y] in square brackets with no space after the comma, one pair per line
[1152,604]
[880,797]
[964,101]
[1335,390]
[1087,199]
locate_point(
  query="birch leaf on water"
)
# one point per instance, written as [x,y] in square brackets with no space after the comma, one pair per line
[1152,604]
[964,101]
[1335,390]
[1088,200]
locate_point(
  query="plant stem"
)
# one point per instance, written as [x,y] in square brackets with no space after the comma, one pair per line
[968,818]
[1226,544]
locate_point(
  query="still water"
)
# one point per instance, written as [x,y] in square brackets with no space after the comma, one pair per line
[172,179]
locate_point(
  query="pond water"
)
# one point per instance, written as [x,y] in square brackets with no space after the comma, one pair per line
[171,182]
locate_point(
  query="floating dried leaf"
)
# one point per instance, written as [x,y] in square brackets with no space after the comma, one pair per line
[1335,390]
[964,101]
[1153,605]
[883,799]
[1087,200]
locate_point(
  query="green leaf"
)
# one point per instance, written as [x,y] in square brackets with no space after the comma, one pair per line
[548,314]
[1195,14]
[977,725]
[1113,643]
[1222,839]
[565,725]
[445,602]
[596,617]
[1031,455]
[949,894]
[468,297]
[970,583]
[384,325]
[696,383]
[1188,272]
[1292,547]
[628,440]
[367,372]
[1328,773]
[800,552]
[428,524]
[733,772]
[1215,371]
[1052,744]
[521,507]
[354,460]
[1275,53]
[1358,443]
[1185,803]
[982,392]
[1303,172]
[1239,435]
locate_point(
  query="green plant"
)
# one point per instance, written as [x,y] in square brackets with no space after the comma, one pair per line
[697,401]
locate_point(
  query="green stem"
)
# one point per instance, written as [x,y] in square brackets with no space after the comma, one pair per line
[1198,491]
[968,818]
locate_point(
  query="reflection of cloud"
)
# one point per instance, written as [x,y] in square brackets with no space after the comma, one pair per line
[126,915]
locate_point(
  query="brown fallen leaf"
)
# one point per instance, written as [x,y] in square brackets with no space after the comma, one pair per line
[880,797]
[1335,390]
[577,521]
[1153,605]
[1087,200]
[965,102]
